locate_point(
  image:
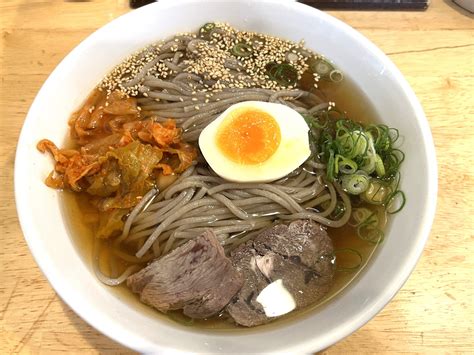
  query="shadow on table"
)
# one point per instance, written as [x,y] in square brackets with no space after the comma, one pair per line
[97,340]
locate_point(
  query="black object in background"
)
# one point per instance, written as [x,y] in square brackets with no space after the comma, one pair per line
[368,4]
[135,4]
[342,4]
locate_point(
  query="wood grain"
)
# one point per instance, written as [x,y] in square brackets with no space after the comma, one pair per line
[434,50]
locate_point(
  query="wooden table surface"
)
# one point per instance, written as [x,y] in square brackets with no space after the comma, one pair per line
[433,49]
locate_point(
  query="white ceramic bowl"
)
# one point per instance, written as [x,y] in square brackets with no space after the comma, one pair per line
[52,246]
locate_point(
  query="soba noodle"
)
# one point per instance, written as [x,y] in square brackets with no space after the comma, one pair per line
[199,200]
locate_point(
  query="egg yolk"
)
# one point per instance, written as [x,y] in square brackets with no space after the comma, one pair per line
[248,136]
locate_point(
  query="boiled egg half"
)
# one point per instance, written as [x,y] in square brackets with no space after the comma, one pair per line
[255,141]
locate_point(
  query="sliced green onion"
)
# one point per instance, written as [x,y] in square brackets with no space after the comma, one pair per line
[367,224]
[399,154]
[242,50]
[355,184]
[316,121]
[395,183]
[395,135]
[353,143]
[392,162]
[369,164]
[361,158]
[370,233]
[337,157]
[360,215]
[383,142]
[291,57]
[377,193]
[269,67]
[345,165]
[379,168]
[336,76]
[206,28]
[320,66]
[396,202]
[351,252]
[284,74]
[330,167]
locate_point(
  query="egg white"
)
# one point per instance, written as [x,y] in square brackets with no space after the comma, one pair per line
[290,154]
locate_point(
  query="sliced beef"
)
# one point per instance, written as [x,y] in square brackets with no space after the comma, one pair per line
[300,254]
[196,277]
[244,308]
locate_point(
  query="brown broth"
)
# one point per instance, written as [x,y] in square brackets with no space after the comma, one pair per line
[349,98]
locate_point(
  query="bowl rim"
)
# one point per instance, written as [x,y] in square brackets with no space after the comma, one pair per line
[130,339]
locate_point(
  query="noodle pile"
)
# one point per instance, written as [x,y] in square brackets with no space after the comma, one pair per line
[199,200]
[167,85]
